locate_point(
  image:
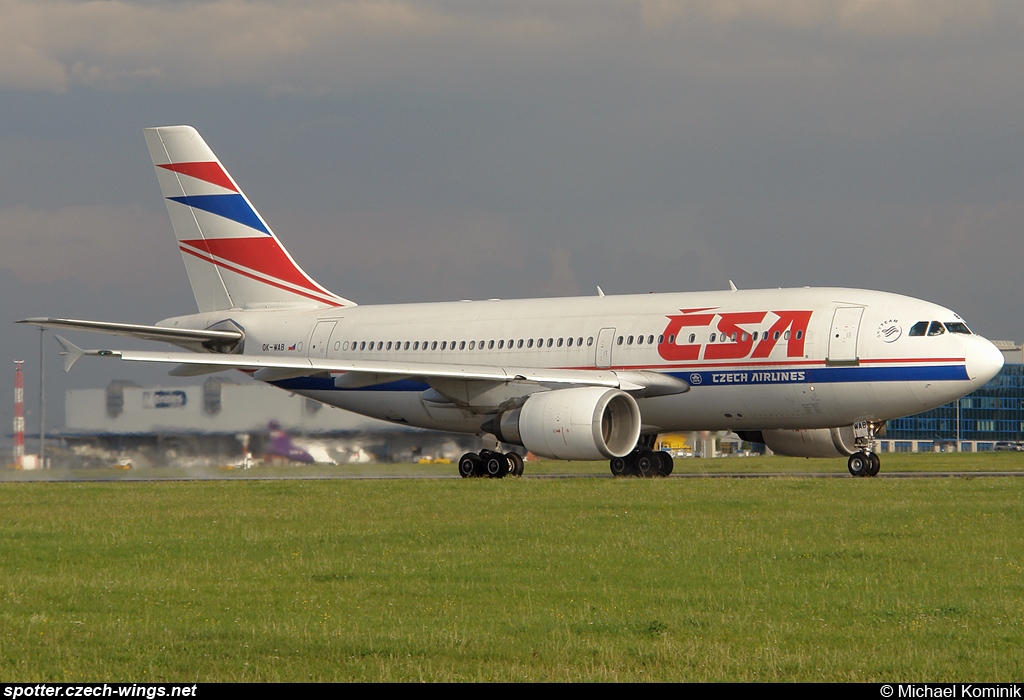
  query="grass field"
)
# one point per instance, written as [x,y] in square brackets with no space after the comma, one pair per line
[518,579]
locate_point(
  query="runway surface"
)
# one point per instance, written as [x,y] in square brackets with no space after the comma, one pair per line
[103,476]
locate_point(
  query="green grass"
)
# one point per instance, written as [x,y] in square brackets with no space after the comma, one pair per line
[547,580]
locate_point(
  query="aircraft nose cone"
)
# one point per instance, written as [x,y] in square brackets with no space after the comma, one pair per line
[984,360]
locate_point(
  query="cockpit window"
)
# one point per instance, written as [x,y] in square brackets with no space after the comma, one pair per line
[936,328]
[958,327]
[919,328]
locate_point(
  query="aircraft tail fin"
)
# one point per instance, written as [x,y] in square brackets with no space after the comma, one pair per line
[233,258]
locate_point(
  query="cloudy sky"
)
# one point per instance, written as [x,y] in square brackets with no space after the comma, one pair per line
[451,149]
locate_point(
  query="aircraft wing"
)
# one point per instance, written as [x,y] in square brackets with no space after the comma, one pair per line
[359,373]
[176,336]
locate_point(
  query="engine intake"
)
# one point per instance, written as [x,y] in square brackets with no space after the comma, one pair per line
[582,423]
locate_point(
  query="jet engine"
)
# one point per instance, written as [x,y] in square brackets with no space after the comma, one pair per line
[581,423]
[820,442]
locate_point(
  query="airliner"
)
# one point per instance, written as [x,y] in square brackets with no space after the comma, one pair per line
[812,372]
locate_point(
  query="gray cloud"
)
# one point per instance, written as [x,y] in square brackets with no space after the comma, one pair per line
[412,151]
[313,47]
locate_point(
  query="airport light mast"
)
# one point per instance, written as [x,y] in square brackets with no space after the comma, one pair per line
[19,414]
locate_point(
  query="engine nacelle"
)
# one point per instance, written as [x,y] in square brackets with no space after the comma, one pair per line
[819,442]
[583,423]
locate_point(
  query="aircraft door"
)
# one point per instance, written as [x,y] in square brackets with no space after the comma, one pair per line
[319,341]
[842,341]
[604,347]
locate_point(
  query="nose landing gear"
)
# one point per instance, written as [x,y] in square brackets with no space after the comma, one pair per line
[865,462]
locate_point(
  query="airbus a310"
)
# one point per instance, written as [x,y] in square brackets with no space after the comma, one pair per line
[812,372]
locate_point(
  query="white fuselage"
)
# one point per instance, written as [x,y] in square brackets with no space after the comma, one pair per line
[753,359]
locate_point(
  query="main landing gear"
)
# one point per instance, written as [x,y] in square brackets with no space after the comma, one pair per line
[643,461]
[494,465]
[865,462]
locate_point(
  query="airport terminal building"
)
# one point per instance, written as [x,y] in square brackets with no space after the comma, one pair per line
[221,419]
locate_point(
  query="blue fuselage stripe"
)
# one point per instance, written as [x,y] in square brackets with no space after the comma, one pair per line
[327,384]
[825,375]
[723,377]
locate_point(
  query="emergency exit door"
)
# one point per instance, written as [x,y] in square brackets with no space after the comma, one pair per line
[604,347]
[320,339]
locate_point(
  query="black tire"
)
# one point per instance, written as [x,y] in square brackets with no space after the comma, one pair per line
[619,466]
[496,466]
[646,464]
[665,467]
[858,464]
[469,465]
[874,464]
[517,466]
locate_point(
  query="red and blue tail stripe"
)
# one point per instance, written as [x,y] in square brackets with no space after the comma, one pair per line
[232,256]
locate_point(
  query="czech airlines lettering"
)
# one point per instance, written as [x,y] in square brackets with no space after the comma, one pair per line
[738,342]
[757,377]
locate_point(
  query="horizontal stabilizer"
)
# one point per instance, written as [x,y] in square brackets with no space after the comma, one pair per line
[175,336]
[69,351]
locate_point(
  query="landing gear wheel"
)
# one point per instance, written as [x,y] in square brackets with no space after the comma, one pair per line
[647,463]
[496,466]
[515,460]
[469,465]
[665,468]
[874,463]
[858,463]
[620,467]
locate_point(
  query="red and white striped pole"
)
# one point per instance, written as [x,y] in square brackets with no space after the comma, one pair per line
[19,414]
